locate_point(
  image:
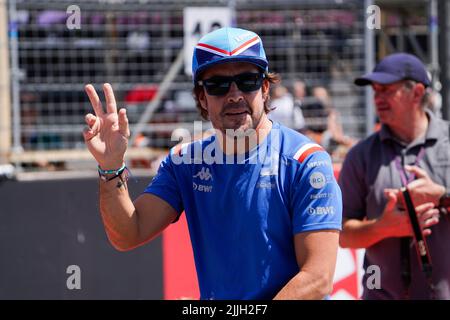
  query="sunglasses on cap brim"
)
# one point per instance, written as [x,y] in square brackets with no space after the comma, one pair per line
[220,85]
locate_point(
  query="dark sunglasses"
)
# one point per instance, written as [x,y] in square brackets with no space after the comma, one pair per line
[220,85]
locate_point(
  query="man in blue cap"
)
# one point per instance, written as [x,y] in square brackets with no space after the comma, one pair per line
[262,205]
[411,149]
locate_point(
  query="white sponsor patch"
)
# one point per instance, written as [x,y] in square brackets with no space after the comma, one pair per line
[317,180]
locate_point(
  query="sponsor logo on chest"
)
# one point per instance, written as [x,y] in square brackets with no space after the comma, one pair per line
[204,175]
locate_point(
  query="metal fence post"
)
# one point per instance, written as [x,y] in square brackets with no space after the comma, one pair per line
[15,74]
[444,55]
[5,87]
[369,54]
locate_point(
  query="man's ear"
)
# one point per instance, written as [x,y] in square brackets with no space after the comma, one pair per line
[265,89]
[202,99]
[419,91]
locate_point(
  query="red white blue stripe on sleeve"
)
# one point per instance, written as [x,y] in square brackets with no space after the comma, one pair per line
[306,150]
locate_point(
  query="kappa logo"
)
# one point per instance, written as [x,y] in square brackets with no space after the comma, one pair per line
[204,174]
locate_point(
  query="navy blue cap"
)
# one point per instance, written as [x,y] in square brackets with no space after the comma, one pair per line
[396,67]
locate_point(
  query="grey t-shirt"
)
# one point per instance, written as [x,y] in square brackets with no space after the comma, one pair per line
[368,169]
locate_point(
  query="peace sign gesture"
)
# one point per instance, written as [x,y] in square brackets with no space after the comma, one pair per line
[107,134]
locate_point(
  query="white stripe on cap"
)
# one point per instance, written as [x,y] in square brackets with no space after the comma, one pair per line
[212,51]
[246,47]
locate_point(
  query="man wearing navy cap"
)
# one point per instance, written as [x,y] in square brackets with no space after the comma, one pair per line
[262,205]
[412,149]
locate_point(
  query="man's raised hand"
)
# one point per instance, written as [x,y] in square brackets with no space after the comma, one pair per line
[107,133]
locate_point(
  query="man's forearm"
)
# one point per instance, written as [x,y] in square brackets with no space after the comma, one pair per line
[360,234]
[306,286]
[118,214]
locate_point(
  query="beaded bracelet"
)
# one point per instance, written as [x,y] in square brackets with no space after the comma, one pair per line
[116,173]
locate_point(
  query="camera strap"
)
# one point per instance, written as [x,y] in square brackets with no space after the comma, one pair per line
[405,265]
[420,241]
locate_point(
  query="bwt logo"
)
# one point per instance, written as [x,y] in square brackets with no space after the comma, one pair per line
[201,187]
[321,211]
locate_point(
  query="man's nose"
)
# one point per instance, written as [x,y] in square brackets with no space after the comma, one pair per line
[378,96]
[234,94]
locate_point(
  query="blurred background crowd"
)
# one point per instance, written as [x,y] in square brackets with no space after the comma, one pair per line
[318,48]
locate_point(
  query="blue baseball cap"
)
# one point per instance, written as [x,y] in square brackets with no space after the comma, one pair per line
[396,67]
[228,45]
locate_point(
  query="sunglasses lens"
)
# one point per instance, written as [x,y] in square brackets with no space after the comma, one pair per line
[217,86]
[246,82]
